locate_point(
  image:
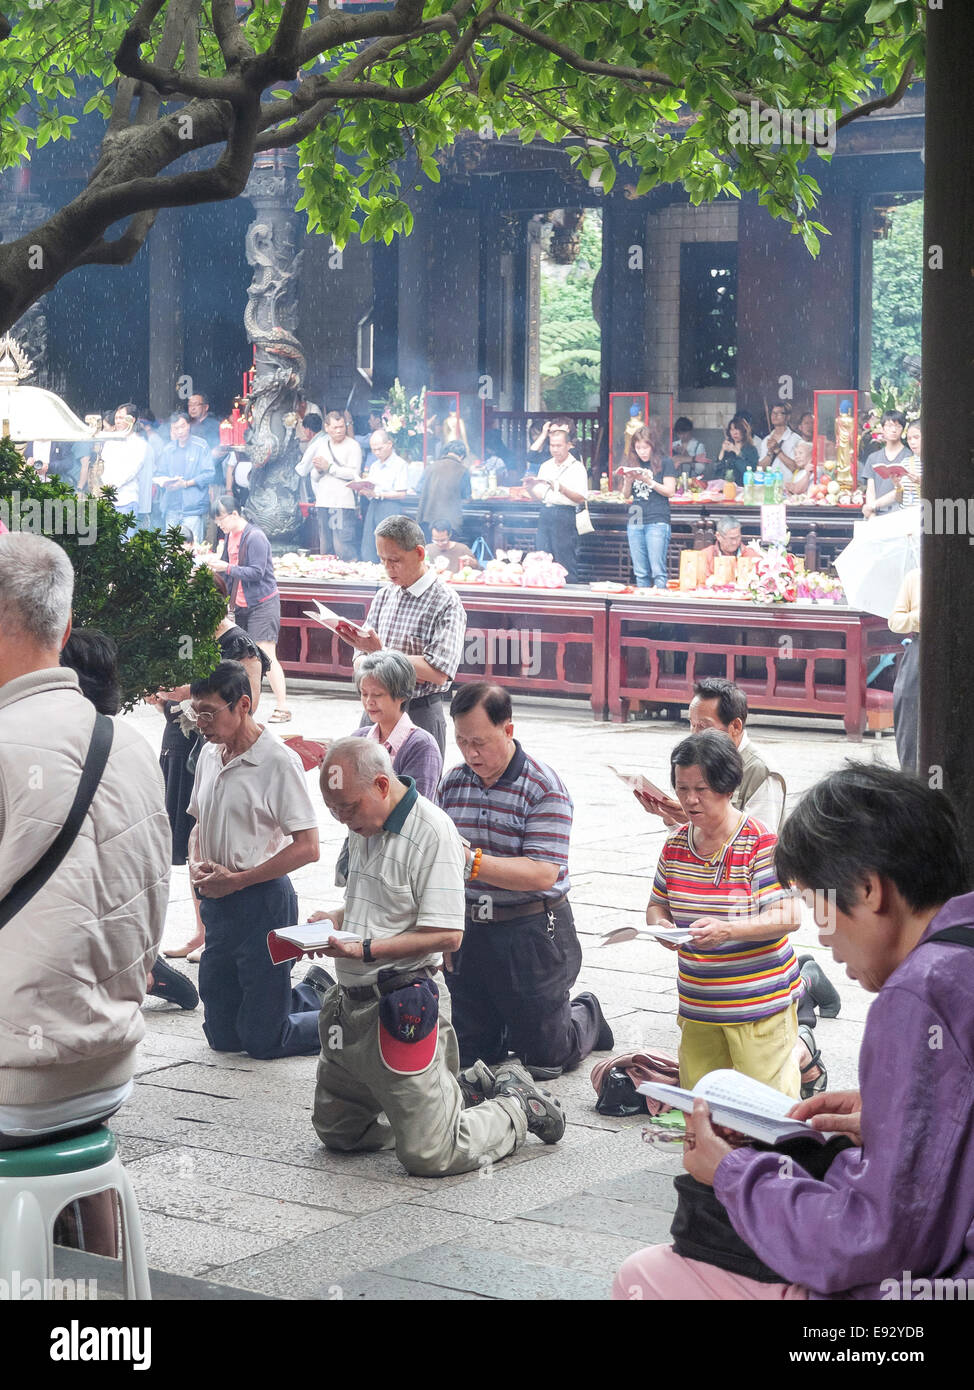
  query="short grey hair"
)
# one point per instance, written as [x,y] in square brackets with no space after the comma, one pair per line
[366,758]
[402,531]
[383,436]
[36,588]
[394,672]
[729,523]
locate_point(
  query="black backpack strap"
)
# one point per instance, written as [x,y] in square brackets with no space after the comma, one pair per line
[960,936]
[34,879]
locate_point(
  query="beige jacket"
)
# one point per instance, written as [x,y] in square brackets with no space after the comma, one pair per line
[73,963]
[905,616]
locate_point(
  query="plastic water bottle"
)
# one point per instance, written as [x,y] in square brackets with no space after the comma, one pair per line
[748,488]
[759,486]
[777,486]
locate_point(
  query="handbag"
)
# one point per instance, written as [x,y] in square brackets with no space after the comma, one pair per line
[584,524]
[618,1096]
[34,879]
[702,1230]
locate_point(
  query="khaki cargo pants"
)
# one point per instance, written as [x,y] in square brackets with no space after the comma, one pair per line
[360,1105]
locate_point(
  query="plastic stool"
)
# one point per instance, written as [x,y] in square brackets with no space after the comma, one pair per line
[37,1183]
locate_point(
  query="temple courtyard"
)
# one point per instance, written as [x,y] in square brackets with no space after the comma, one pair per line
[238,1198]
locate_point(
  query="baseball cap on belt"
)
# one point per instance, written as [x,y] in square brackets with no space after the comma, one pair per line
[408,1027]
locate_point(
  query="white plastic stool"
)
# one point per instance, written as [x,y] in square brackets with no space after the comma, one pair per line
[37,1183]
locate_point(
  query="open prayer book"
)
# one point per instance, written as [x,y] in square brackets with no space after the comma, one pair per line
[890,470]
[328,618]
[678,935]
[636,782]
[291,943]
[740,1103]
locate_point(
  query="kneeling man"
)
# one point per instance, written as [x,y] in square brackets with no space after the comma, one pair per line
[387,1075]
[255,824]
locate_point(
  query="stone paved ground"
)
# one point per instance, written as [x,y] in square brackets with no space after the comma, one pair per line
[235,1189]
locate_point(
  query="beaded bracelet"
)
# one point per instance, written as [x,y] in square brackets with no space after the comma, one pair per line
[478,854]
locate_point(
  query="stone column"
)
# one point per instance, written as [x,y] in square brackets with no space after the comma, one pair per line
[165,312]
[532,316]
[946,632]
[271,320]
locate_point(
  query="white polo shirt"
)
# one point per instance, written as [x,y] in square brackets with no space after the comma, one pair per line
[408,877]
[248,809]
[570,474]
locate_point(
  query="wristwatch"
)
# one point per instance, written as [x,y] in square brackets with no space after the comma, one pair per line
[367,951]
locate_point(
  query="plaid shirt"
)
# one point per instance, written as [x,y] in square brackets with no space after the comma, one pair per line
[526,812]
[426,620]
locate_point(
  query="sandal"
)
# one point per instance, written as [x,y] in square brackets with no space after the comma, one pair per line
[280,716]
[812,1087]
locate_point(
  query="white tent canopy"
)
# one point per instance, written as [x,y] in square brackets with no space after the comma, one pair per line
[27,412]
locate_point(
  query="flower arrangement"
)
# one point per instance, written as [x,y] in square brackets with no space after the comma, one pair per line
[820,587]
[773,579]
[402,416]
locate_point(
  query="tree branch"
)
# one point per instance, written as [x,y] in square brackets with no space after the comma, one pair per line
[233,43]
[337,29]
[123,249]
[568,55]
[880,103]
[814,15]
[162,75]
[319,88]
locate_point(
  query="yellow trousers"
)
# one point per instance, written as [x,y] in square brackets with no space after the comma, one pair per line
[764,1050]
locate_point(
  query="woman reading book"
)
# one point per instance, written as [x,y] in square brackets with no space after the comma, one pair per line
[893,1215]
[739,981]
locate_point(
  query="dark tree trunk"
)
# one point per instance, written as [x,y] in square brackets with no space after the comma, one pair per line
[947,627]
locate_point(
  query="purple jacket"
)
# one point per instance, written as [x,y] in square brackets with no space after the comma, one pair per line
[903,1204]
[419,758]
[255,567]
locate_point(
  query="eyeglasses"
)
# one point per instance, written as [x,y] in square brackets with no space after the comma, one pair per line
[205,717]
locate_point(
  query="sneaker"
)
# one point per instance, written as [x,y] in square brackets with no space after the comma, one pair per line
[477,1084]
[319,980]
[821,989]
[173,986]
[544,1073]
[605,1039]
[812,1086]
[544,1114]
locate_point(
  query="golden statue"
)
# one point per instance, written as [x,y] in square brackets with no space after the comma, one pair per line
[453,429]
[635,423]
[845,449]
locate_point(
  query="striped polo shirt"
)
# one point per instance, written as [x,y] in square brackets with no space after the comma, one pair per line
[739,982]
[526,812]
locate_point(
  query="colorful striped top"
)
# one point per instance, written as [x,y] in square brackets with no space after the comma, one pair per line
[739,982]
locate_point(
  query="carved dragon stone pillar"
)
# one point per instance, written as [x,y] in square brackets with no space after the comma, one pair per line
[270,319]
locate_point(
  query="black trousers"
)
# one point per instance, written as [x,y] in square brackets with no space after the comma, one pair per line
[510,993]
[558,535]
[906,706]
[248,1002]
